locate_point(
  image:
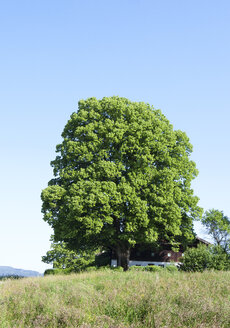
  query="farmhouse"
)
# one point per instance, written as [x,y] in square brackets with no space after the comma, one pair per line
[164,255]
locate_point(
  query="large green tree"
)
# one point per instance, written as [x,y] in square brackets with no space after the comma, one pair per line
[122,176]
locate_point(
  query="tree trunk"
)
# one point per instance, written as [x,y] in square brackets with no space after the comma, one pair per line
[123,255]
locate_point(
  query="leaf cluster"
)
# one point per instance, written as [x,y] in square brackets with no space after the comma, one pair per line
[63,258]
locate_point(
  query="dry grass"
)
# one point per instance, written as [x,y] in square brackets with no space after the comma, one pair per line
[118,300]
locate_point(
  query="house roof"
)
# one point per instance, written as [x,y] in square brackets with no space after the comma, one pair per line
[203,241]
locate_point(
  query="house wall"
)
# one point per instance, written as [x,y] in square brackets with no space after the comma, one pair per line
[143,263]
[148,255]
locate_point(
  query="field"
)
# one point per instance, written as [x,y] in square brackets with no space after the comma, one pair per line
[117,299]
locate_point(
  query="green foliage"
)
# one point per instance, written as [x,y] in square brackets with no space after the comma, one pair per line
[220,259]
[103,259]
[63,258]
[149,268]
[53,272]
[153,268]
[218,226]
[205,258]
[122,176]
[136,268]
[90,269]
[106,268]
[49,272]
[171,268]
[196,259]
[119,268]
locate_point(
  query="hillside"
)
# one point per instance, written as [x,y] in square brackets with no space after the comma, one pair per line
[118,300]
[9,271]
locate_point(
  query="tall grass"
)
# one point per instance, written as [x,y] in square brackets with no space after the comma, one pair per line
[118,299]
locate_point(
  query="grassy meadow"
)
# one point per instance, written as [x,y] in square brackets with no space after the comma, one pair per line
[117,299]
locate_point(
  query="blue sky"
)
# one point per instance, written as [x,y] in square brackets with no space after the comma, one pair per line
[174,55]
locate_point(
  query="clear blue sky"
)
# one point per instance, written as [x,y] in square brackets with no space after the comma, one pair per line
[174,55]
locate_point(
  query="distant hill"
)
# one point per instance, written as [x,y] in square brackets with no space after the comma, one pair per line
[9,271]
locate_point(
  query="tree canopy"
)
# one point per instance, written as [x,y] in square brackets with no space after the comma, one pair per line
[122,176]
[63,258]
[218,227]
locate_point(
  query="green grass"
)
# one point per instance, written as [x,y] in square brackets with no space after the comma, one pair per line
[117,299]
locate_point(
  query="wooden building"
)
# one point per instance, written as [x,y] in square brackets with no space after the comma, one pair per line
[163,255]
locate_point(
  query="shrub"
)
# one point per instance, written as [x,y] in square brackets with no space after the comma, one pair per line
[136,268]
[196,259]
[90,269]
[58,271]
[149,268]
[119,268]
[49,272]
[171,268]
[205,258]
[153,268]
[220,259]
[105,268]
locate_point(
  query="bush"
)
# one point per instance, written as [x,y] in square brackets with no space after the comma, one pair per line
[119,268]
[136,268]
[90,269]
[58,271]
[196,259]
[153,268]
[205,258]
[220,259]
[171,268]
[49,272]
[149,268]
[104,268]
